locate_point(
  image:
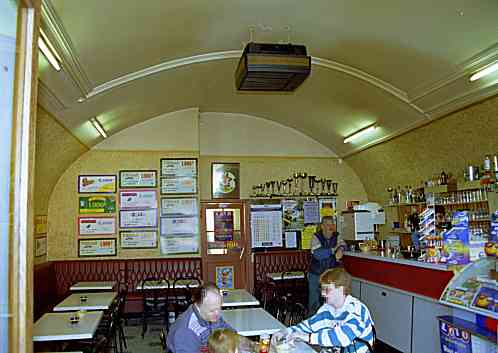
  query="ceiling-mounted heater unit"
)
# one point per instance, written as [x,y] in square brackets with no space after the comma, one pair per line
[272,67]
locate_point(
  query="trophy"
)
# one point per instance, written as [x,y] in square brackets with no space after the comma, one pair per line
[279,187]
[272,182]
[284,187]
[254,191]
[289,191]
[323,181]
[334,188]
[296,176]
[329,185]
[268,192]
[311,184]
[302,176]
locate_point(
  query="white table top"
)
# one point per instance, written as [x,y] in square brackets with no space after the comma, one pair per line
[93,286]
[239,297]
[56,327]
[300,347]
[164,284]
[252,321]
[95,301]
[277,276]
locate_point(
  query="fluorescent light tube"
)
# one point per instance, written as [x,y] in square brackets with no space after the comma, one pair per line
[484,72]
[98,127]
[359,133]
[48,51]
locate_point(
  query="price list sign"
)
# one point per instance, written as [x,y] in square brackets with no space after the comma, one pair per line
[266,225]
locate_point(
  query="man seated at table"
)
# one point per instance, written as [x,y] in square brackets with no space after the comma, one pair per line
[191,330]
[339,321]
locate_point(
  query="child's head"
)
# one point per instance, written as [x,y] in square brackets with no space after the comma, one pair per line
[223,341]
[336,285]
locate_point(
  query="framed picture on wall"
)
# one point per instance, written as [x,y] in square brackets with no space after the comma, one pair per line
[40,246]
[225,180]
[96,247]
[96,226]
[96,184]
[145,239]
[224,277]
[137,179]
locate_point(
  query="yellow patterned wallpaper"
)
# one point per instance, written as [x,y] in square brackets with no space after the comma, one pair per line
[450,143]
[56,149]
[63,211]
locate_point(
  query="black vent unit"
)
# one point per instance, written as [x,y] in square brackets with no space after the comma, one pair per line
[272,67]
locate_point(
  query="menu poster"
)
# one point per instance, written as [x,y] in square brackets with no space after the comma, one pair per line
[138,179]
[96,225]
[97,204]
[40,246]
[327,208]
[138,240]
[224,277]
[223,225]
[138,218]
[171,244]
[179,207]
[174,168]
[293,214]
[183,185]
[266,225]
[179,225]
[311,210]
[132,199]
[96,247]
[100,184]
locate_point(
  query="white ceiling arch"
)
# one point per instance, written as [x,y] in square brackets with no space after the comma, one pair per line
[399,64]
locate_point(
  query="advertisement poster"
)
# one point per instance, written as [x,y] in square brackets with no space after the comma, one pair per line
[139,240]
[225,180]
[224,277]
[97,204]
[311,210]
[96,184]
[266,226]
[179,207]
[293,214]
[130,199]
[327,208]
[174,168]
[40,224]
[485,299]
[183,185]
[456,240]
[40,246]
[453,339]
[137,179]
[96,225]
[138,219]
[223,225]
[171,244]
[179,225]
[97,247]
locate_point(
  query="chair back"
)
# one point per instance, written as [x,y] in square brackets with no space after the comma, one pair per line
[155,294]
[295,288]
[268,293]
[183,288]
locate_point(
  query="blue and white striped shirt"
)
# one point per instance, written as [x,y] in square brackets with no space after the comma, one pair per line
[332,327]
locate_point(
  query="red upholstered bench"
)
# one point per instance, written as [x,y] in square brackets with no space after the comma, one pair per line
[53,279]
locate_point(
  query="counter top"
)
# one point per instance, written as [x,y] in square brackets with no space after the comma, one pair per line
[375,255]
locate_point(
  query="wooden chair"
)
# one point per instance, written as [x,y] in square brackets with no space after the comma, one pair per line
[182,293]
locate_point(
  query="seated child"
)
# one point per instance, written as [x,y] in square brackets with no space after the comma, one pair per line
[337,322]
[227,341]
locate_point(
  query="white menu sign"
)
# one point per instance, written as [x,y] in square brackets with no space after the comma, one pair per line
[138,218]
[175,168]
[129,199]
[266,225]
[179,225]
[179,245]
[97,225]
[179,207]
[143,239]
[183,185]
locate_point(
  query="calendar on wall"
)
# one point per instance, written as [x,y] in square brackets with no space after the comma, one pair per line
[266,225]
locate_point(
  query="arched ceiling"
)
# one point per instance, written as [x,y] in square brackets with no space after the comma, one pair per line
[397,63]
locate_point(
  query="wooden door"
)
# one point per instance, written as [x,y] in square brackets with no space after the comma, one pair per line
[224,243]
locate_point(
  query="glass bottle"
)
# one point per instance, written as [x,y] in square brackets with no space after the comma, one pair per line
[264,343]
[487,164]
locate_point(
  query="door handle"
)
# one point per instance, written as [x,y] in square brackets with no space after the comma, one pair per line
[242,252]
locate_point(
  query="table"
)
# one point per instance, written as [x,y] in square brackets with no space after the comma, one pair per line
[238,297]
[300,347]
[163,284]
[95,301]
[56,327]
[277,276]
[252,321]
[100,285]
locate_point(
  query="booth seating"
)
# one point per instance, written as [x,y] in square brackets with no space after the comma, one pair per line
[52,280]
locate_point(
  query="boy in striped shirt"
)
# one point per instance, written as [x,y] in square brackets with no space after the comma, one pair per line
[337,322]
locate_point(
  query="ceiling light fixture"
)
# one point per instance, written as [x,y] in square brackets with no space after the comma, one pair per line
[360,132]
[48,51]
[98,127]
[484,72]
